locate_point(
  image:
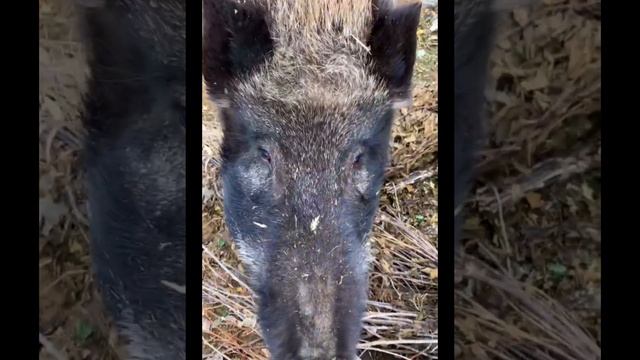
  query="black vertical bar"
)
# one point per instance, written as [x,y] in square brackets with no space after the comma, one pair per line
[612,340]
[20,175]
[445,180]
[30,117]
[194,179]
[605,267]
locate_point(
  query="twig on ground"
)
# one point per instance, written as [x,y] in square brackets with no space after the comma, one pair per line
[541,176]
[412,178]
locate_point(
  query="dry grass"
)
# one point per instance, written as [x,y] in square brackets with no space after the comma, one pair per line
[401,322]
[72,323]
[529,286]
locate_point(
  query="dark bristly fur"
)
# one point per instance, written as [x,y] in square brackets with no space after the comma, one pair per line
[473,36]
[306,91]
[135,165]
[474,30]
[474,26]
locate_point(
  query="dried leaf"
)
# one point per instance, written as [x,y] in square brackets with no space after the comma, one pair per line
[521,16]
[535,200]
[433,274]
[540,81]
[54,109]
[50,214]
[587,191]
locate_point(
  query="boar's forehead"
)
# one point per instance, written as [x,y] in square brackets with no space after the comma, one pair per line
[313,123]
[293,97]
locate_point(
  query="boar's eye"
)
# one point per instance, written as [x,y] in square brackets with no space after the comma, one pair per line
[366,165]
[358,157]
[357,161]
[264,154]
[361,172]
[254,173]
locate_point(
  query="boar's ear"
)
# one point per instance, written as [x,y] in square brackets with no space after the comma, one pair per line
[393,47]
[236,40]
